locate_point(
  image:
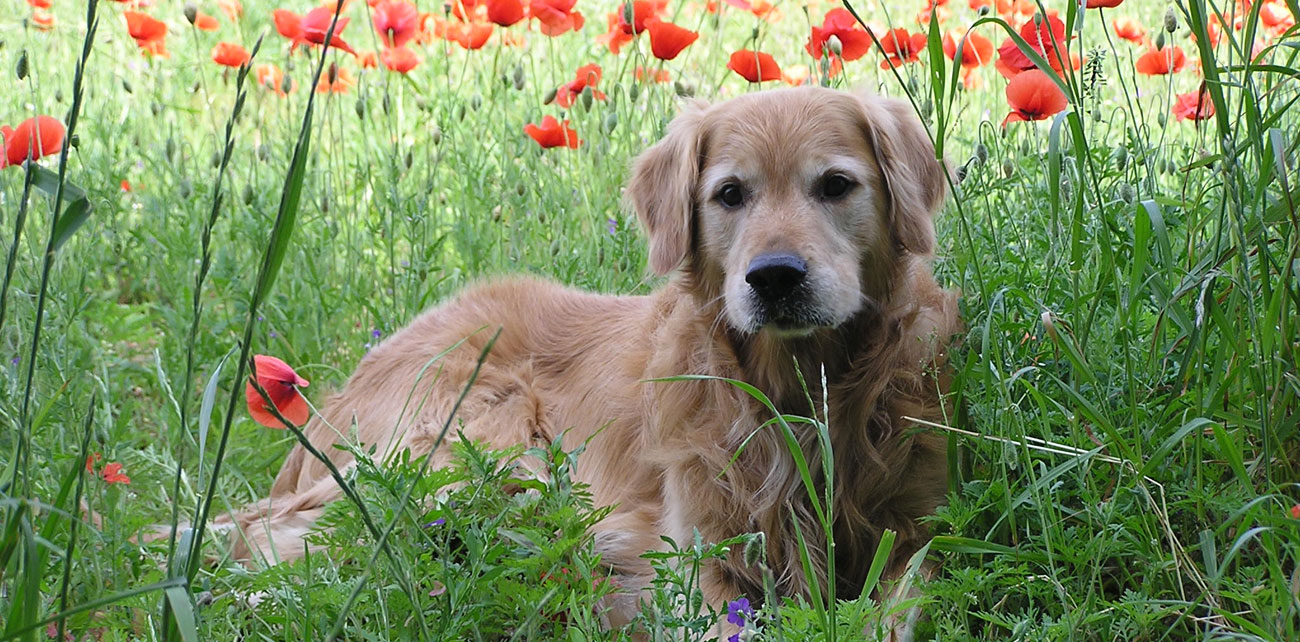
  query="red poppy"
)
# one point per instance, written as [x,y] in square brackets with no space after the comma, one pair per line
[467,10]
[1276,17]
[40,4]
[654,75]
[900,48]
[1047,39]
[614,37]
[1129,29]
[229,54]
[205,22]
[281,384]
[396,22]
[232,8]
[272,78]
[317,23]
[976,50]
[632,15]
[91,460]
[1295,511]
[470,36]
[1033,95]
[289,25]
[553,133]
[754,66]
[149,33]
[505,12]
[556,16]
[33,139]
[587,76]
[335,80]
[400,59]
[42,19]
[112,474]
[1193,106]
[667,39]
[1103,4]
[1169,60]
[854,41]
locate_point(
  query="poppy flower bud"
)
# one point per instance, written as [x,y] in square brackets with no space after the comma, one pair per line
[170,150]
[360,108]
[1008,167]
[1160,41]
[1120,154]
[983,11]
[333,75]
[629,14]
[611,121]
[835,46]
[927,109]
[1171,20]
[155,108]
[634,92]
[264,152]
[1067,190]
[387,103]
[587,98]
[185,189]
[1127,193]
[960,172]
[216,159]
[517,77]
[753,553]
[476,101]
[1161,120]
[286,85]
[191,12]
[435,136]
[520,190]
[684,89]
[1049,325]
[409,160]
[126,85]
[549,97]
[248,194]
[21,67]
[460,111]
[981,153]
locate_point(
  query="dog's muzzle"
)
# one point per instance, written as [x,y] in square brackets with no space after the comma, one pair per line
[779,285]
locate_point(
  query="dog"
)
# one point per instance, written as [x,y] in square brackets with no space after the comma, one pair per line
[795,229]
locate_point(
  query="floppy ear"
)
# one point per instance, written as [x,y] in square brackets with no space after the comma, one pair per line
[917,183]
[662,189]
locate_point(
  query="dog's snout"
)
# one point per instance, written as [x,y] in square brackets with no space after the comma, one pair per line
[774,276]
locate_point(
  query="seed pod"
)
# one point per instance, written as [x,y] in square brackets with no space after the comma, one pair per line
[21,68]
[1171,20]
[191,12]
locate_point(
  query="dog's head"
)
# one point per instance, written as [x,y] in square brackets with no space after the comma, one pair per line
[792,205]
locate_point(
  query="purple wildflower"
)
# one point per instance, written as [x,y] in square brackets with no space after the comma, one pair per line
[738,612]
[612,226]
[376,333]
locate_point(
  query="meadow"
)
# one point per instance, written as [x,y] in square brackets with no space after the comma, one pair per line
[1124,452]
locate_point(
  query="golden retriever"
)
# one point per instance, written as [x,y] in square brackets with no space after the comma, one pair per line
[795,227]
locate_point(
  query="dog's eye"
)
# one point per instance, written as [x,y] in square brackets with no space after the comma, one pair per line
[836,186]
[731,195]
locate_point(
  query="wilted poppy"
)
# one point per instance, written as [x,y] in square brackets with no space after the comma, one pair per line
[399,59]
[754,66]
[854,41]
[281,384]
[667,39]
[1193,106]
[505,12]
[1129,29]
[149,33]
[899,47]
[229,54]
[33,139]
[1169,60]
[316,24]
[556,16]
[1033,95]
[396,22]
[553,133]
[112,474]
[205,22]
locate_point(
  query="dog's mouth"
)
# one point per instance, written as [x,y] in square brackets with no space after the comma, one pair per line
[791,316]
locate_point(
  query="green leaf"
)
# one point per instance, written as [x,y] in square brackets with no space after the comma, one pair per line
[74,215]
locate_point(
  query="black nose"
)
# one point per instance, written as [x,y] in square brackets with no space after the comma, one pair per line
[775,276]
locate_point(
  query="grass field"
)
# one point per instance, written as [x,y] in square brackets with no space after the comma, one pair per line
[1125,456]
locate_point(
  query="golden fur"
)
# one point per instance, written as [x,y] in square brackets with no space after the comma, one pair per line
[873,318]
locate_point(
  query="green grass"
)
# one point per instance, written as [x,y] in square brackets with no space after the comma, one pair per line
[1127,390]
